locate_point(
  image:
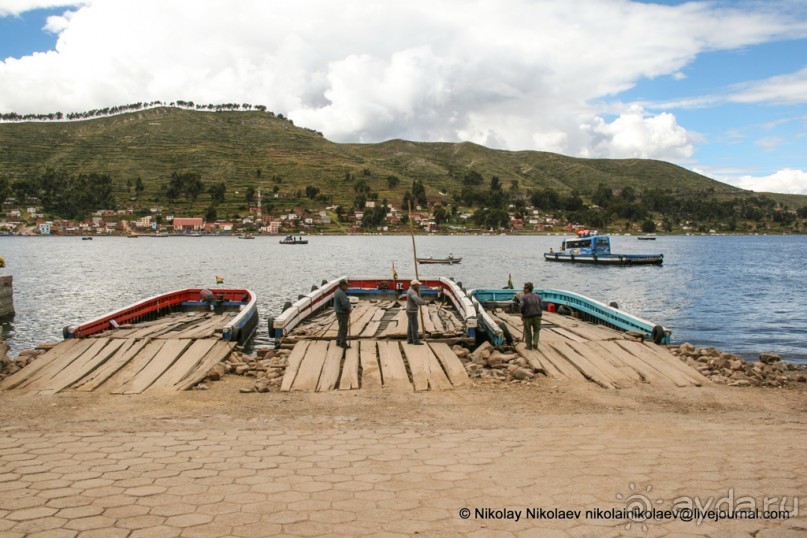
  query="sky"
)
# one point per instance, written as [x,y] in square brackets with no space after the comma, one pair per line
[718,87]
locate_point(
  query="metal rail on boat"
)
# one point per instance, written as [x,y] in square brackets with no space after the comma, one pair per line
[319,298]
[591,308]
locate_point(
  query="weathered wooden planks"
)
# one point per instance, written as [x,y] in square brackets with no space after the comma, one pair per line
[82,366]
[350,370]
[31,371]
[161,362]
[124,354]
[184,365]
[427,373]
[371,370]
[393,371]
[451,363]
[330,370]
[217,353]
[311,367]
[293,365]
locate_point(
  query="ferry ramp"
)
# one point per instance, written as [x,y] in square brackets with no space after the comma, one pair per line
[171,353]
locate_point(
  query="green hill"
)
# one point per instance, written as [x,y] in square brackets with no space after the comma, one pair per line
[243,149]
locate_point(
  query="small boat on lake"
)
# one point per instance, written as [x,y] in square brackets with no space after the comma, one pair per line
[450,260]
[246,236]
[86,238]
[595,249]
[647,237]
[291,240]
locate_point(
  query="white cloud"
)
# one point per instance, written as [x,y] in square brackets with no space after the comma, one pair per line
[635,134]
[16,7]
[787,89]
[787,180]
[532,75]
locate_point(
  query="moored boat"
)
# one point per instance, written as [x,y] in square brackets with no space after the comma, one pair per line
[591,248]
[452,307]
[238,306]
[647,237]
[487,301]
[246,236]
[450,260]
[291,240]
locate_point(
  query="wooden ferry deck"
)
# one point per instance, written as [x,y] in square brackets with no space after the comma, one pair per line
[171,353]
[575,351]
[377,358]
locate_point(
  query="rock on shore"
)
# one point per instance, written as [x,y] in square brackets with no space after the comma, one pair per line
[734,371]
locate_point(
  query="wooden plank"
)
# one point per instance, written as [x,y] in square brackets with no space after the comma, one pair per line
[293,365]
[370,369]
[439,328]
[218,353]
[350,370]
[396,327]
[568,334]
[371,329]
[134,365]
[43,361]
[189,360]
[566,369]
[451,364]
[648,374]
[622,376]
[129,349]
[82,366]
[161,362]
[360,318]
[644,354]
[330,370]
[534,359]
[393,371]
[697,378]
[207,329]
[426,319]
[583,365]
[56,367]
[422,358]
[149,329]
[417,365]
[311,367]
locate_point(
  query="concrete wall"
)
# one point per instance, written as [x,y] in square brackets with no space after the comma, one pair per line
[6,296]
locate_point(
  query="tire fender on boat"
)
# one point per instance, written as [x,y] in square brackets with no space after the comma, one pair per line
[658,334]
[564,310]
[270,322]
[314,287]
[614,304]
[286,306]
[506,333]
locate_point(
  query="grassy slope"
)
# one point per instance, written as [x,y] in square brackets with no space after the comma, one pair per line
[231,146]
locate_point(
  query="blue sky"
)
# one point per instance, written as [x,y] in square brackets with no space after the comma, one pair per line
[717,87]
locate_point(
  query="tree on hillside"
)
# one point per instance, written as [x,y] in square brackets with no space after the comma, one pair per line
[217,192]
[250,194]
[392,181]
[211,214]
[187,184]
[473,179]
[139,187]
[311,192]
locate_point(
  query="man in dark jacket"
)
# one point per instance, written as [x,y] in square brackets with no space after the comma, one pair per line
[342,308]
[531,310]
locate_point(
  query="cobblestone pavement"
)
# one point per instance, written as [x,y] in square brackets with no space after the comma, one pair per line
[352,480]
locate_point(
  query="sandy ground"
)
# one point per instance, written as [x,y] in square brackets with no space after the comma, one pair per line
[363,462]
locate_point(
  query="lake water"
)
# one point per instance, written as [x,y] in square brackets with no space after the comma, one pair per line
[742,294]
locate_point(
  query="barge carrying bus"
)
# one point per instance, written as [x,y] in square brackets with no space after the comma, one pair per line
[591,248]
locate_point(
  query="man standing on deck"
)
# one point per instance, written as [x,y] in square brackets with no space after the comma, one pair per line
[413,303]
[531,311]
[342,308]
